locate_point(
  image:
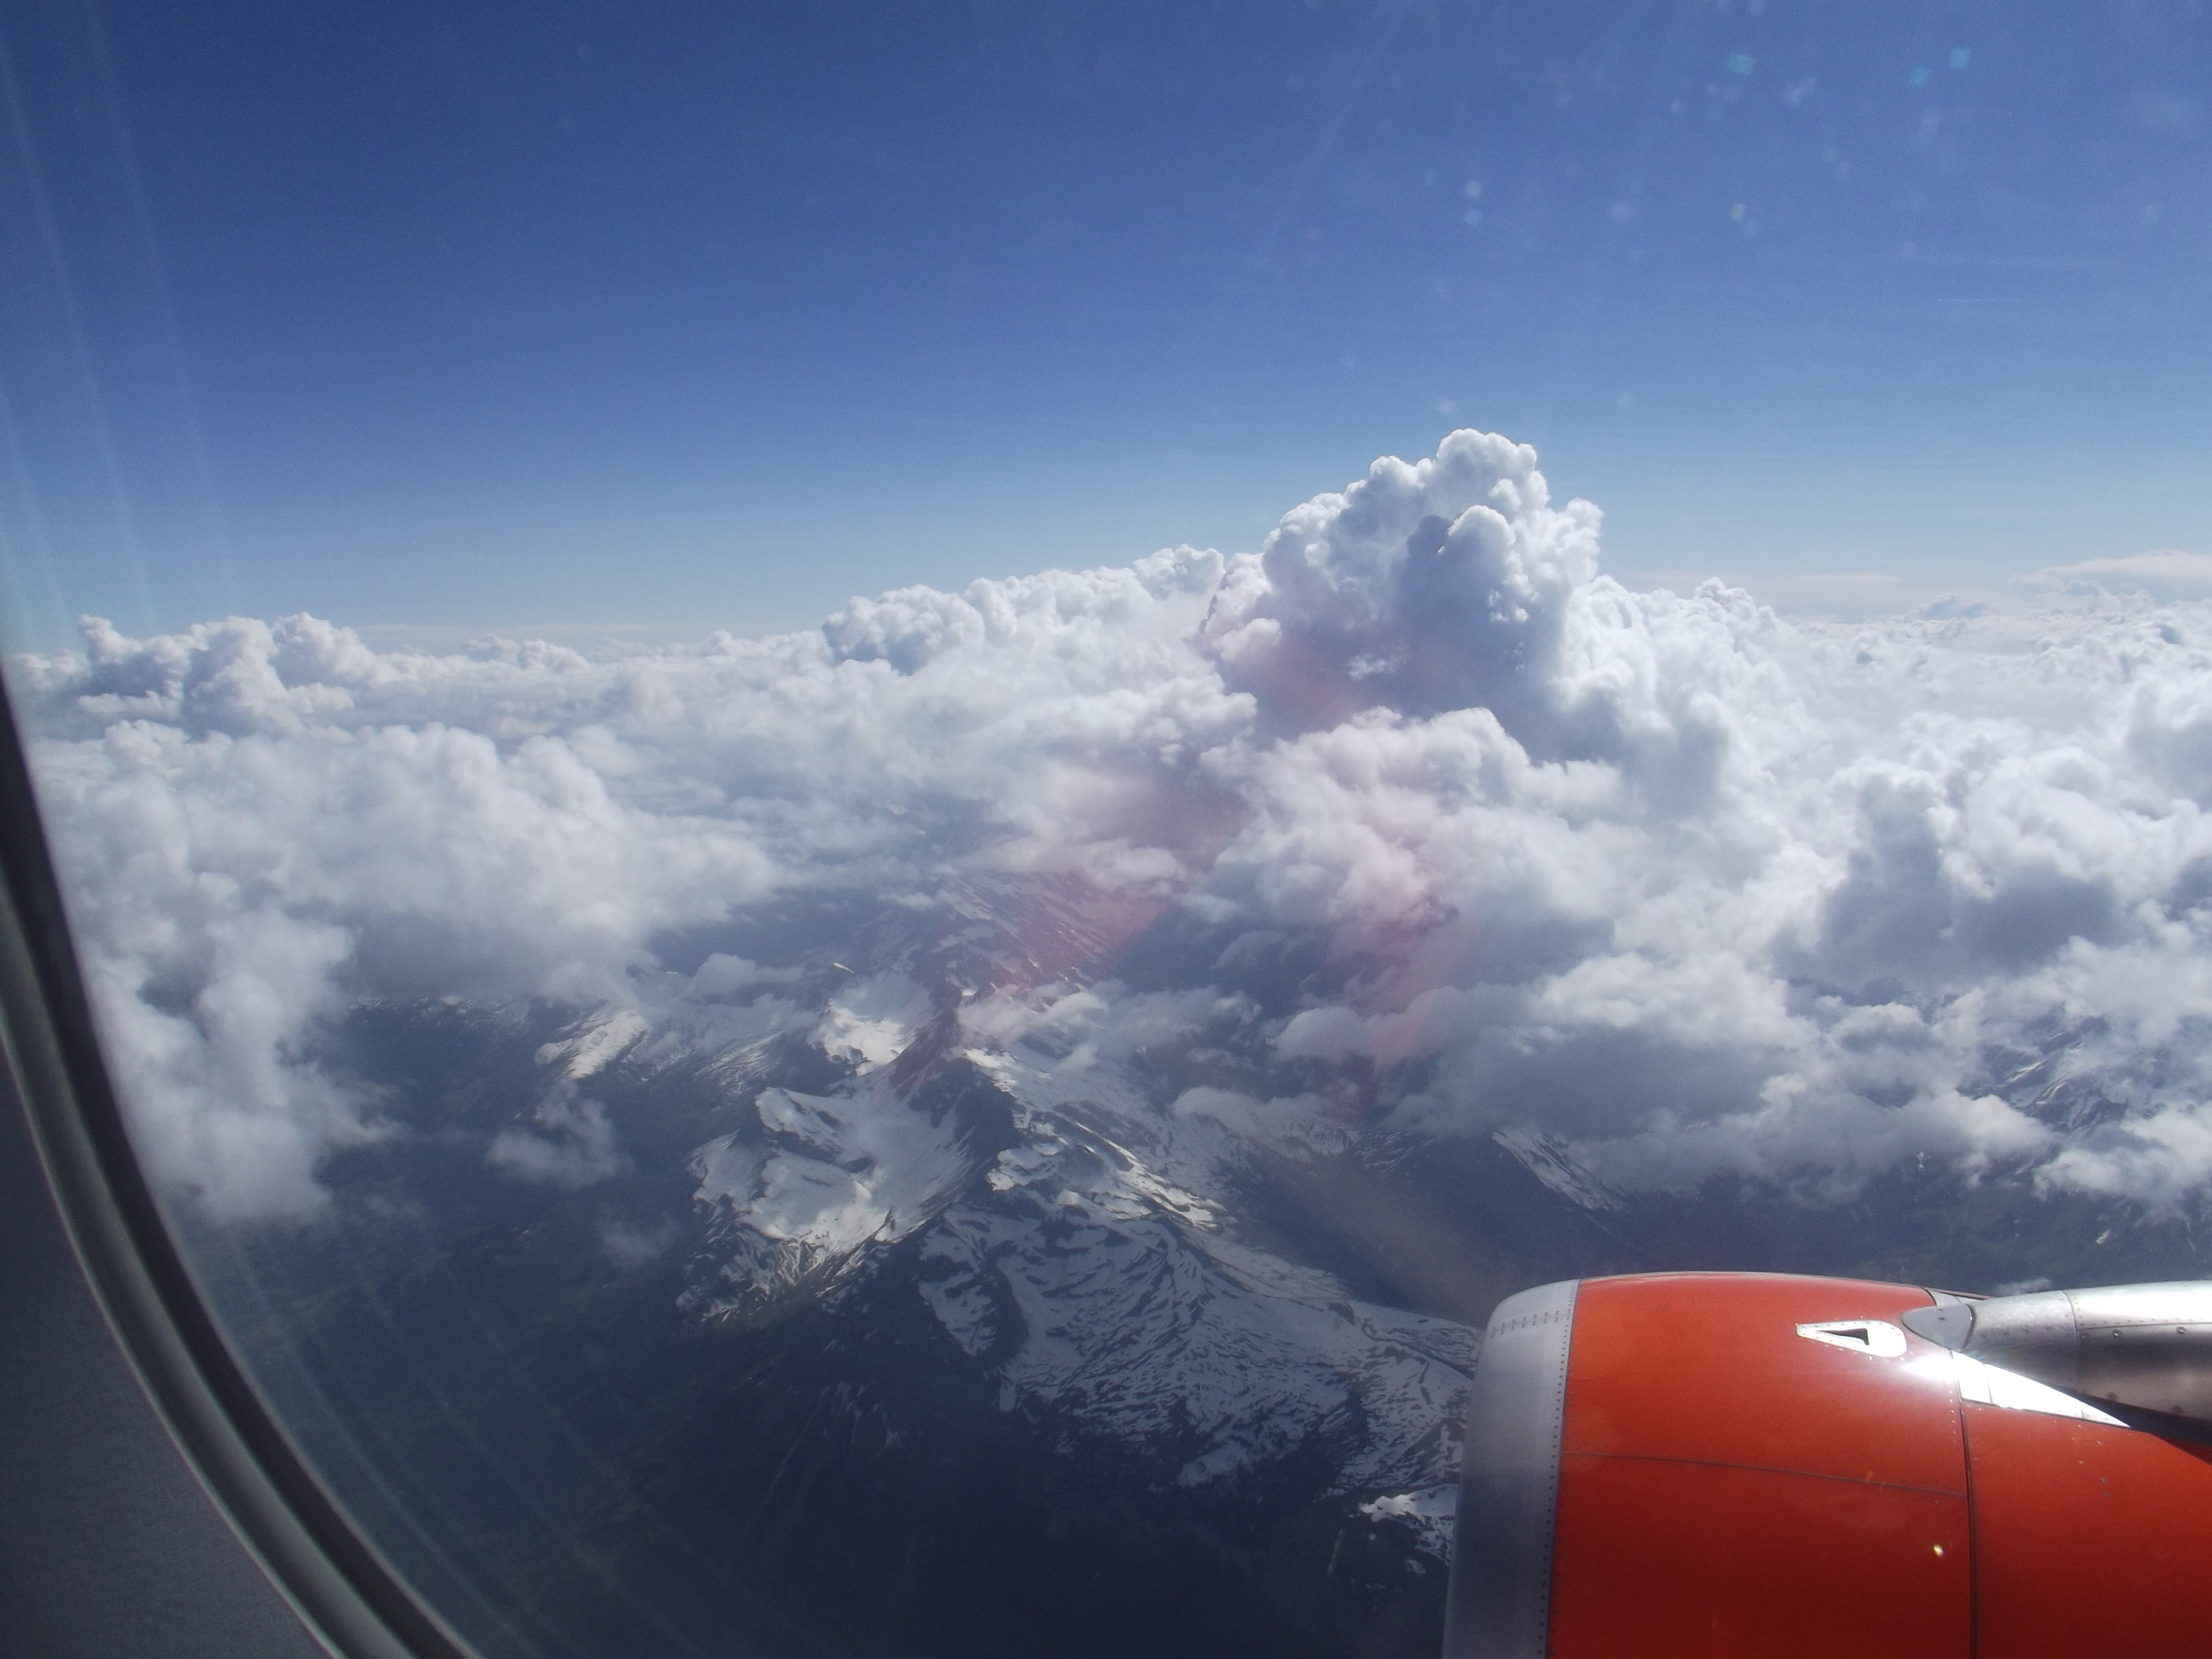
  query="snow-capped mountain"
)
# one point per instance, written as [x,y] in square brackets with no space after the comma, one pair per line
[1076,1214]
[1077,1267]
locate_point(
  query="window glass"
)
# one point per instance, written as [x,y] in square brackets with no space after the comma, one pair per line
[833,931]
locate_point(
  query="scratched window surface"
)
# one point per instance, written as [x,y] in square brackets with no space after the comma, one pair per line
[872,803]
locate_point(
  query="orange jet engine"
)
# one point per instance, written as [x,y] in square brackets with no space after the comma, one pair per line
[1763,1465]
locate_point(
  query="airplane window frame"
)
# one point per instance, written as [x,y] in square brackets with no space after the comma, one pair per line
[334,1578]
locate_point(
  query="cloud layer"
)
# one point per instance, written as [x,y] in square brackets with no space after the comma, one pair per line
[1413,815]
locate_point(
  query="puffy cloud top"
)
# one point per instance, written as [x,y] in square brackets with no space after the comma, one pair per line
[1445,584]
[1411,817]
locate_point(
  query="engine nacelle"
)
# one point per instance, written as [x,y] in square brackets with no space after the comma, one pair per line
[1764,1465]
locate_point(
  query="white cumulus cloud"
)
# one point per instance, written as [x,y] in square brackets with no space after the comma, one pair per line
[1414,813]
[568,1142]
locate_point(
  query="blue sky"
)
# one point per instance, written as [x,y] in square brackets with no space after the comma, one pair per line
[470,316]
